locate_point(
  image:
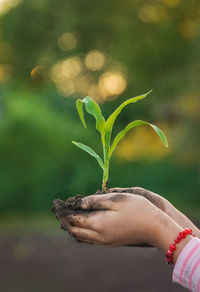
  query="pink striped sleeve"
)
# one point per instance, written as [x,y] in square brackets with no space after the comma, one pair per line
[187,268]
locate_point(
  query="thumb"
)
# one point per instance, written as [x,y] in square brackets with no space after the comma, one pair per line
[98,202]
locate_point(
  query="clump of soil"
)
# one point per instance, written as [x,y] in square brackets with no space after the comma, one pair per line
[70,206]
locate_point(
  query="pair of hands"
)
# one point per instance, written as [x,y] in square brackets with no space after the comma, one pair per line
[131,216]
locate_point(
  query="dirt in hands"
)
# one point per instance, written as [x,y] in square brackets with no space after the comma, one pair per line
[73,205]
[70,206]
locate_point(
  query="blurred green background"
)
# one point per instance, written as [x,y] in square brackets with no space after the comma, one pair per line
[53,52]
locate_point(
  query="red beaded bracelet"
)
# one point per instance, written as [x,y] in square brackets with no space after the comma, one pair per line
[172,247]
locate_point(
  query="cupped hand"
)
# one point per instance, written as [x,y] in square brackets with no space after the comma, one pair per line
[116,219]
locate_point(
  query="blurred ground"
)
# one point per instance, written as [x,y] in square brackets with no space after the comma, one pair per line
[49,261]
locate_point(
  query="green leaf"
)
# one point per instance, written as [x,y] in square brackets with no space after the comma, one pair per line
[79,106]
[160,134]
[111,120]
[90,151]
[93,108]
[121,134]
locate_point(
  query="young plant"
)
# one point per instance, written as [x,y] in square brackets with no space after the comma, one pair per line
[105,129]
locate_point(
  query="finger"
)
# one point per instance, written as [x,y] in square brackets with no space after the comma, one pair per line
[154,198]
[65,225]
[107,201]
[83,234]
[85,220]
[98,202]
[88,241]
[88,220]
[87,236]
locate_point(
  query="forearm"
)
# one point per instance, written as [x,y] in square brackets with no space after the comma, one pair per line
[165,231]
[180,218]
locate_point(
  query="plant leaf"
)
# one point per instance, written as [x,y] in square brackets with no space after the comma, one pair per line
[93,108]
[90,151]
[79,106]
[136,123]
[110,121]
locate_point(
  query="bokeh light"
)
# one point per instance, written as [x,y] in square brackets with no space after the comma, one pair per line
[67,41]
[74,75]
[94,60]
[66,87]
[71,67]
[65,69]
[112,83]
[7,5]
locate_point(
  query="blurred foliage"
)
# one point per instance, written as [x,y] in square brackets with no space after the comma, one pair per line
[52,52]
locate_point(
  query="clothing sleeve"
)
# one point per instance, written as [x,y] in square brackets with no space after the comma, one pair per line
[187,268]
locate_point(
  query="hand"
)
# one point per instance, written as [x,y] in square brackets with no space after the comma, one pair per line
[162,204]
[120,219]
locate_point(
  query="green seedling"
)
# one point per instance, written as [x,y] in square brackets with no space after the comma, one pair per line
[105,129]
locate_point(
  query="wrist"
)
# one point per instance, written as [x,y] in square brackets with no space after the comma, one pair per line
[166,233]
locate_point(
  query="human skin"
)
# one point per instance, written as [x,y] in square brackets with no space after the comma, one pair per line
[118,219]
[162,204]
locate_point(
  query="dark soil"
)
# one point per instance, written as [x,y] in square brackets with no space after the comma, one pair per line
[64,208]
[71,206]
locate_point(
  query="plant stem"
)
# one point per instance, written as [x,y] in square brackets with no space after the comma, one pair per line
[105,175]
